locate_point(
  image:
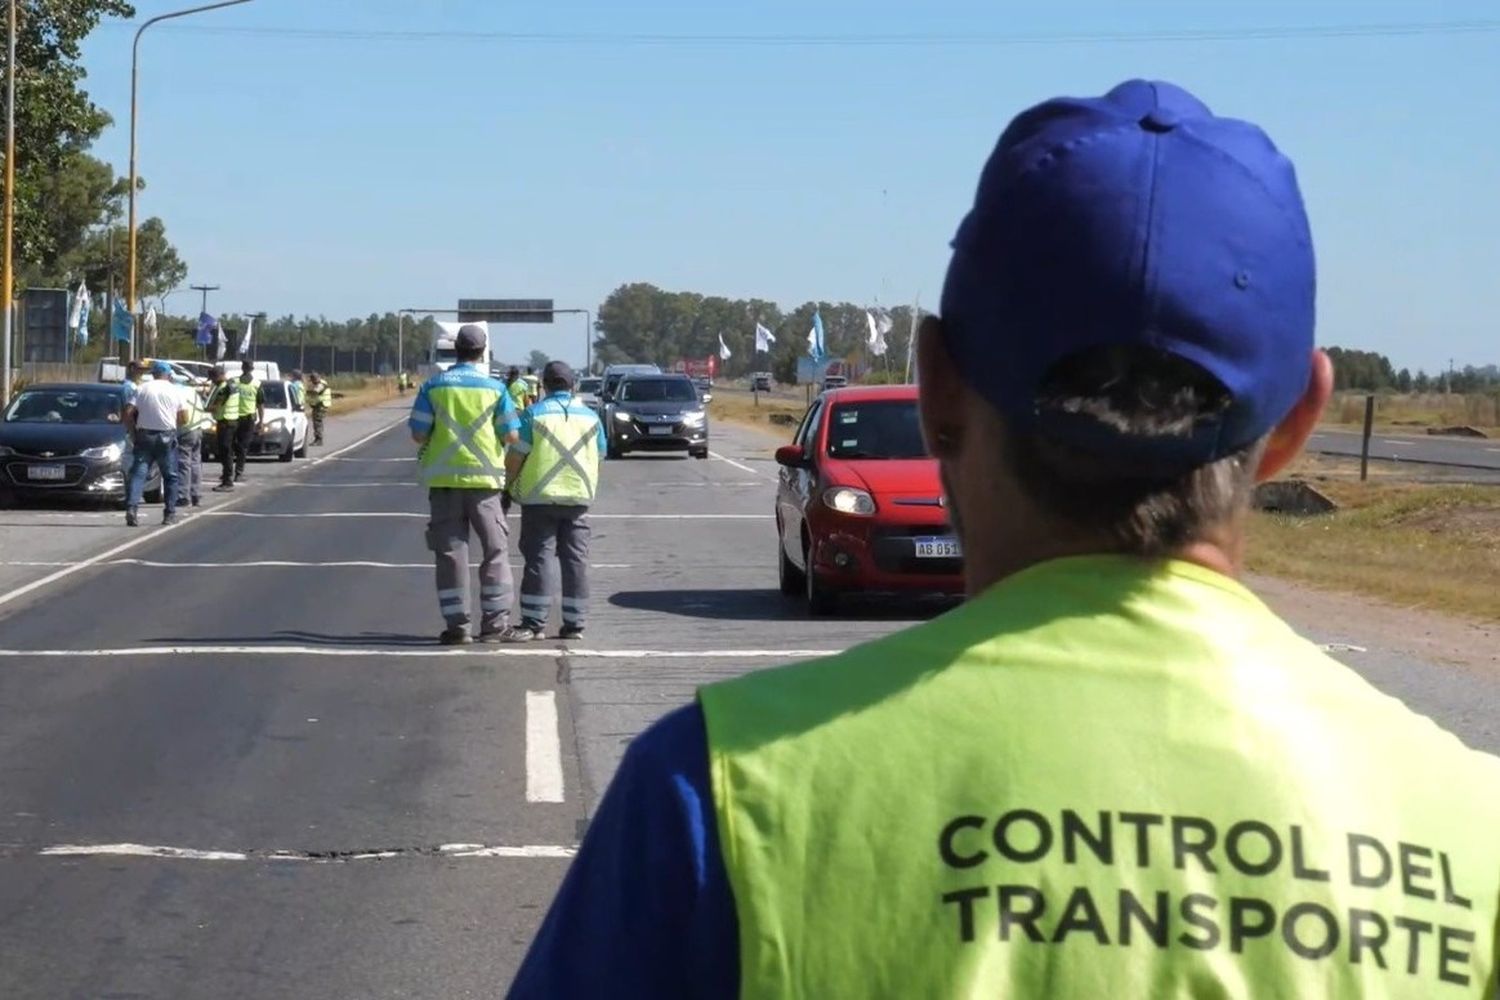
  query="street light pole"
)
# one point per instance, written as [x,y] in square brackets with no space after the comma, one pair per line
[205,289]
[135,53]
[8,281]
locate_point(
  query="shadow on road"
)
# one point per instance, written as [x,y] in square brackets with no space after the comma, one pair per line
[770,605]
[301,638]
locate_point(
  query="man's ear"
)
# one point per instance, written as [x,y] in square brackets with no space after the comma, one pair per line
[941,395]
[1289,437]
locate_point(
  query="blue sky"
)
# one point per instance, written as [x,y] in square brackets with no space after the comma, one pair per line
[355,173]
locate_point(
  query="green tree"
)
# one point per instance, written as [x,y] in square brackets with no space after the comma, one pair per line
[55,119]
[105,255]
[538,360]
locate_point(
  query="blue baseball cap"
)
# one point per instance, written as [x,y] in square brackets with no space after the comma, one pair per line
[1136,218]
[161,368]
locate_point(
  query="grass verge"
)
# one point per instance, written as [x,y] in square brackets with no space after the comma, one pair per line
[356,392]
[1430,546]
[779,412]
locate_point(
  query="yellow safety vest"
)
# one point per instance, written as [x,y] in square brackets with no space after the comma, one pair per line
[218,401]
[322,396]
[519,393]
[199,418]
[465,451]
[563,465]
[1105,777]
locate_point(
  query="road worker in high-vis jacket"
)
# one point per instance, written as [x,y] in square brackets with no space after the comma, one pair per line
[463,419]
[1113,772]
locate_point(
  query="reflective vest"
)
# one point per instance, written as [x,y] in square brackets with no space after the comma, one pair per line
[464,450]
[322,396]
[219,398]
[298,393]
[563,465]
[240,400]
[1105,777]
[199,418]
[520,393]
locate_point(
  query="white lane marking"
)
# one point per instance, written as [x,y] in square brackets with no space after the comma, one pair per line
[544,777]
[537,651]
[273,563]
[350,486]
[366,461]
[737,465]
[1493,451]
[157,532]
[417,514]
[193,854]
[139,851]
[1395,444]
[1341,647]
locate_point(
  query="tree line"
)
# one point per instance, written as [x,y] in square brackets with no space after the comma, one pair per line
[1369,371]
[643,323]
[70,206]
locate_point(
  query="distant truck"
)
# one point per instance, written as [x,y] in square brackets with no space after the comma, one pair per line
[444,354]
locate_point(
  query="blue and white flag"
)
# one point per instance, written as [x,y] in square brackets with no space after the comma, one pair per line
[149,325]
[723,349]
[121,324]
[220,340]
[78,314]
[205,335]
[245,340]
[880,325]
[815,344]
[764,338]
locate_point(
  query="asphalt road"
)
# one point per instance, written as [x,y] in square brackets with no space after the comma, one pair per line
[335,807]
[1462,453]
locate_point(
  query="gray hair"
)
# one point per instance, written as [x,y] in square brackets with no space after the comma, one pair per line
[1143,392]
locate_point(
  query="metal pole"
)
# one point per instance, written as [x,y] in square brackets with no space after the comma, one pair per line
[400,342]
[301,345]
[135,53]
[7,282]
[588,342]
[1364,451]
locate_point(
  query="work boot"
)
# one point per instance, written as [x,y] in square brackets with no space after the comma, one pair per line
[454,635]
[131,520]
[197,501]
[224,488]
[522,633]
[571,633]
[169,518]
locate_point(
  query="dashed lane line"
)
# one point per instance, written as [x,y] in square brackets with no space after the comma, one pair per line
[157,532]
[544,775]
[737,465]
[166,853]
[418,514]
[270,563]
[538,650]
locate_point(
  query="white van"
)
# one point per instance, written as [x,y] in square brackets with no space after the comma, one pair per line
[265,371]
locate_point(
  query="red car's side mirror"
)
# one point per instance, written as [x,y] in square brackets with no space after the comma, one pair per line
[792,456]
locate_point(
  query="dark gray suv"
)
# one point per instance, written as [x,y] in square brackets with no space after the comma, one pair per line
[657,413]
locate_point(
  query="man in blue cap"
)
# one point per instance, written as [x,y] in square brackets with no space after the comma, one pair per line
[153,417]
[1113,771]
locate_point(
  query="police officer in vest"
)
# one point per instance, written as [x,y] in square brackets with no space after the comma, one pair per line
[554,475]
[223,405]
[463,419]
[1113,771]
[320,395]
[190,449]
[249,411]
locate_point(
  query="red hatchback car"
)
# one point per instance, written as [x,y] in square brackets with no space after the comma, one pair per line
[860,506]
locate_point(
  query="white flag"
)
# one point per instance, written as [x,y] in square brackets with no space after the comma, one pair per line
[764,338]
[245,340]
[880,325]
[150,325]
[76,308]
[223,342]
[724,353]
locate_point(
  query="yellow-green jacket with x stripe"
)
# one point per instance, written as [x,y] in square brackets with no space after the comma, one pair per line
[467,415]
[562,440]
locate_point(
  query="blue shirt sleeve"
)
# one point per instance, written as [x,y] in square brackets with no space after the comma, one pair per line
[603,441]
[646,909]
[422,418]
[525,430]
[506,417]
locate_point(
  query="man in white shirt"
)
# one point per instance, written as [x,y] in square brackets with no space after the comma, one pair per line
[153,418]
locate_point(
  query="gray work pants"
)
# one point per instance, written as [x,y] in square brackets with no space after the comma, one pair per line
[454,513]
[189,466]
[542,526]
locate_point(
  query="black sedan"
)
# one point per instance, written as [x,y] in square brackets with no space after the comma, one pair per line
[657,413]
[67,441]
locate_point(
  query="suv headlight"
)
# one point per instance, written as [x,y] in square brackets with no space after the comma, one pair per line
[695,418]
[622,416]
[6,451]
[848,500]
[108,452]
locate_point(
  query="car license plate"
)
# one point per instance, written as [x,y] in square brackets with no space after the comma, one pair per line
[662,430]
[52,472]
[937,548]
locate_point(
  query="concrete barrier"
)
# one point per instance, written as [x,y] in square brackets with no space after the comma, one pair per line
[1292,496]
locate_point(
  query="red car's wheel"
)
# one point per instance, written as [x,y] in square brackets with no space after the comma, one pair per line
[821,600]
[791,577]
